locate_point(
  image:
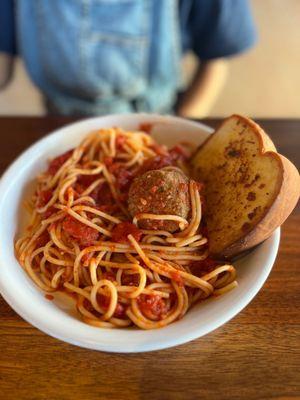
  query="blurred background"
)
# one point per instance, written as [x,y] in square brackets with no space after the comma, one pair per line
[263,82]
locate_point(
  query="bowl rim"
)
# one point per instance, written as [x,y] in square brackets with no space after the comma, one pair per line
[39,322]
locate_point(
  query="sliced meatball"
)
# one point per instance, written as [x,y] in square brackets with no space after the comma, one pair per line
[163,191]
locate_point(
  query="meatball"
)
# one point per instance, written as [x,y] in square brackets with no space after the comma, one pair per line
[163,191]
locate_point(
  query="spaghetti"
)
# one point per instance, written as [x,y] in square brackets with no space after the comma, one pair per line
[82,240]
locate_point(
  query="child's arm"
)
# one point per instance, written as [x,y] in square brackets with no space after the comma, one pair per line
[204,89]
[217,30]
[6,69]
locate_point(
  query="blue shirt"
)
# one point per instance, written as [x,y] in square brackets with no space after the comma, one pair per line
[106,56]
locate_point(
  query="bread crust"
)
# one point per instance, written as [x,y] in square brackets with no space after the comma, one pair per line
[288,191]
[275,216]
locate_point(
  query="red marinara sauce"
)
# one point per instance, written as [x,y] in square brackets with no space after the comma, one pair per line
[131,280]
[146,127]
[43,197]
[43,239]
[86,180]
[124,178]
[83,234]
[120,141]
[57,162]
[120,311]
[121,231]
[200,268]
[157,162]
[110,276]
[152,306]
[177,278]
[178,152]
[164,158]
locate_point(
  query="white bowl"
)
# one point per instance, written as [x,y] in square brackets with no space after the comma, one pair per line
[58,318]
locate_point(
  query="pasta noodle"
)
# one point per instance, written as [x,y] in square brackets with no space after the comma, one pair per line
[148,278]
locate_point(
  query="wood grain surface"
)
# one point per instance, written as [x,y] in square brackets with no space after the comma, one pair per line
[254,356]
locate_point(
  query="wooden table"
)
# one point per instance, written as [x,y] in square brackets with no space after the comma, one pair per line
[254,356]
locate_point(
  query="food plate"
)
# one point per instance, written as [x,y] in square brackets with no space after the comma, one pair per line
[59,318]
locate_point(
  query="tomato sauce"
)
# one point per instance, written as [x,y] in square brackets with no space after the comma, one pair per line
[86,180]
[179,153]
[83,234]
[50,211]
[159,149]
[177,278]
[121,231]
[124,178]
[57,162]
[145,127]
[43,239]
[103,196]
[103,301]
[200,268]
[157,162]
[86,258]
[152,306]
[120,311]
[110,276]
[108,161]
[120,141]
[43,197]
[130,280]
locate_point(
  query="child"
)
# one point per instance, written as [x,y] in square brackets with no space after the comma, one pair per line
[108,56]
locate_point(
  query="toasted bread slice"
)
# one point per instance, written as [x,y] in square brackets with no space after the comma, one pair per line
[250,189]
